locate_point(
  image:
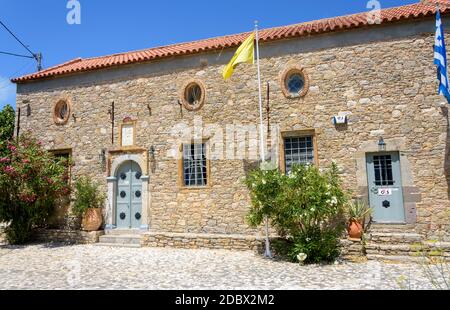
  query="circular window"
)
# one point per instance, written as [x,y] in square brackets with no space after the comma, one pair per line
[123,176]
[138,175]
[123,194]
[193,95]
[61,112]
[138,194]
[294,82]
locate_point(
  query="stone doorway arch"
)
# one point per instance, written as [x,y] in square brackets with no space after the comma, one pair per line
[113,180]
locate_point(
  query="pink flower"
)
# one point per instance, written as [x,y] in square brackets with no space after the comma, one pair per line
[25,161]
[40,142]
[5,160]
[12,148]
[10,170]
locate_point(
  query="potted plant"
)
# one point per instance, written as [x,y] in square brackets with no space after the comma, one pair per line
[88,204]
[358,213]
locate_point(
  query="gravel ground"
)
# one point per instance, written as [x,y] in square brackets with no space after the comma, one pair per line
[50,267]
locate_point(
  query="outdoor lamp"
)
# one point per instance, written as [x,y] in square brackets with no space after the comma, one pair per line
[151,152]
[381,145]
[102,157]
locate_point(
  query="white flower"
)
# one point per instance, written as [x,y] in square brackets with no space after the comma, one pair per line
[264,182]
[308,239]
[302,257]
[334,201]
[313,210]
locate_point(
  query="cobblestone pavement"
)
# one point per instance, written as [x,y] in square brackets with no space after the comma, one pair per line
[94,267]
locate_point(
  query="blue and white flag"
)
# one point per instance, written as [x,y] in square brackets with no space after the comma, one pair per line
[440,58]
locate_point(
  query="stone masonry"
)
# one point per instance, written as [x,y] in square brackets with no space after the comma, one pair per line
[383,78]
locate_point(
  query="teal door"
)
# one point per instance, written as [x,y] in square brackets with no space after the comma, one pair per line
[129,196]
[385,187]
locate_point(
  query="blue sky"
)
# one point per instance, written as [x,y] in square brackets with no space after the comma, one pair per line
[110,26]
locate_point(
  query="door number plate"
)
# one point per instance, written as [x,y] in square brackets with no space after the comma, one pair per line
[385,192]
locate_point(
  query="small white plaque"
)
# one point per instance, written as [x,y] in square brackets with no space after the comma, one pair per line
[127,135]
[385,192]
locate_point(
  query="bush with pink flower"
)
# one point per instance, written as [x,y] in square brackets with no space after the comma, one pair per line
[32,182]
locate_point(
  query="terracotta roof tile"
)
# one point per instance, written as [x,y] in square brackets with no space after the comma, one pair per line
[308,28]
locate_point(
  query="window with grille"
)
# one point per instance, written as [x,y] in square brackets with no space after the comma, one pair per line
[298,150]
[194,165]
[383,170]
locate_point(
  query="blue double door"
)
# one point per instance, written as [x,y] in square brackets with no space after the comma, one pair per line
[129,196]
[385,187]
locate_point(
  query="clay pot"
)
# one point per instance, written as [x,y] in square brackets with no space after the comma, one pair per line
[355,229]
[92,219]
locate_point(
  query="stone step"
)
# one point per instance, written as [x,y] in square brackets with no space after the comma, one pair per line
[121,239]
[412,250]
[392,228]
[395,258]
[394,237]
[118,245]
[120,232]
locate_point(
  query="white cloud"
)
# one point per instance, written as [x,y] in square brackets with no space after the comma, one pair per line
[7,92]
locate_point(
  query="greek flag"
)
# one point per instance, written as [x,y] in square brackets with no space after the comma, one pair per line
[440,58]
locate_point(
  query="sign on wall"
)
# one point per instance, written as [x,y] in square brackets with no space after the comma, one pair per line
[127,133]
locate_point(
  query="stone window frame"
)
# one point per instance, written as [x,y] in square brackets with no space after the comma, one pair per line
[56,119]
[297,134]
[181,181]
[183,94]
[126,122]
[285,75]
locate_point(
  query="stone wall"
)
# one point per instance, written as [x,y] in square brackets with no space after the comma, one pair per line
[67,236]
[386,87]
[203,241]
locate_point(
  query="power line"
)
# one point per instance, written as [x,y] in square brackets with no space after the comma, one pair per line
[18,40]
[37,56]
[17,55]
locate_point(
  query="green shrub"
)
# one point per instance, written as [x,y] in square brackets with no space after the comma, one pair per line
[32,181]
[87,195]
[306,207]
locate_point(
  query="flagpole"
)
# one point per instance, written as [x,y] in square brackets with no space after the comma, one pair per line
[267,253]
[261,125]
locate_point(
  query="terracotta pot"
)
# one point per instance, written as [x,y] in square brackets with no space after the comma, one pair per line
[92,219]
[355,229]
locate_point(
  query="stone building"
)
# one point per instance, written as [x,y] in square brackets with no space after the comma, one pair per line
[360,90]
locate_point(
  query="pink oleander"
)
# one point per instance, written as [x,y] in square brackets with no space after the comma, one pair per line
[32,182]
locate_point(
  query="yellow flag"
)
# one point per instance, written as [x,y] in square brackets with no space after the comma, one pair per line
[244,54]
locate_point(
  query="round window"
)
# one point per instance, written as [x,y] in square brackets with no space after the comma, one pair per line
[294,82]
[61,112]
[193,96]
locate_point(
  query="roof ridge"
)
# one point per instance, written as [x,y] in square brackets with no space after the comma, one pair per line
[312,27]
[78,59]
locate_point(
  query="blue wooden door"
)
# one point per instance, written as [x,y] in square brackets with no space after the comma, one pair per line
[129,196]
[385,187]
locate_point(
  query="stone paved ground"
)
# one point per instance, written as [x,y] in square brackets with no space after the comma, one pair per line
[94,267]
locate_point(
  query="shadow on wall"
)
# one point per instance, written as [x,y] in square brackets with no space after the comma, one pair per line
[447,152]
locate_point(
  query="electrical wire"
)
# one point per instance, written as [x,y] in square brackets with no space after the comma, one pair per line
[17,55]
[18,40]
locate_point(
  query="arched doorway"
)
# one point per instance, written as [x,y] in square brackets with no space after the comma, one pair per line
[129,195]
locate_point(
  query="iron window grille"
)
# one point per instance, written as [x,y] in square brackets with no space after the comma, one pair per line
[383,170]
[298,150]
[194,165]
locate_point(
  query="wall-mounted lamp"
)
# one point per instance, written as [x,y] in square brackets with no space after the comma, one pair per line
[102,158]
[381,145]
[152,152]
[28,110]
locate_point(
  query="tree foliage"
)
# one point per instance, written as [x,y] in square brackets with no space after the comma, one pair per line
[306,207]
[32,181]
[7,116]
